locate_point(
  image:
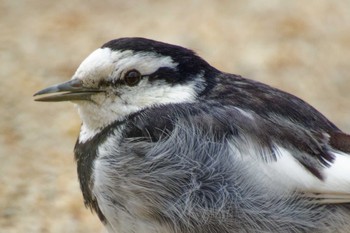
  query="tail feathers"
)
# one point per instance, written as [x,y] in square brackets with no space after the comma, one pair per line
[328,198]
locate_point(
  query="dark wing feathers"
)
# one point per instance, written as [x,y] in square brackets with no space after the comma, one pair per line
[310,148]
[340,141]
[267,102]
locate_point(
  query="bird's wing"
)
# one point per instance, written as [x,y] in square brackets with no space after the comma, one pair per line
[287,154]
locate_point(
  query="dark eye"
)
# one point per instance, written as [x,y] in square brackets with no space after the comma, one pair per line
[132,77]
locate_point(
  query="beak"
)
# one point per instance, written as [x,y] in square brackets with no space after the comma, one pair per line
[71,90]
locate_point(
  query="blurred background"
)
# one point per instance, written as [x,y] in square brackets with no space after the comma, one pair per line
[302,47]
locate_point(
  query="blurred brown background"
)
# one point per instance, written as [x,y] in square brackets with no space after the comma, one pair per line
[302,47]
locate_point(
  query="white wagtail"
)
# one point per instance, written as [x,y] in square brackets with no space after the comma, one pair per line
[170,144]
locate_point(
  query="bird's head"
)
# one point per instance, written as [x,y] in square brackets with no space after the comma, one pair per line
[127,75]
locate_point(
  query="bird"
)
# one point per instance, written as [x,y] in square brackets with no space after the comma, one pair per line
[170,144]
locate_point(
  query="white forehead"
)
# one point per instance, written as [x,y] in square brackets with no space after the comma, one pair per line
[104,62]
[97,64]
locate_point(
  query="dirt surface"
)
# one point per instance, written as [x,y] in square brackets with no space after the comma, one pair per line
[302,47]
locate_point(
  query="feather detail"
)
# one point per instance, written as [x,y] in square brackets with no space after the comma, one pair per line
[340,141]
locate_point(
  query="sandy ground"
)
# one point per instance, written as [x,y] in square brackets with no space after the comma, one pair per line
[302,47]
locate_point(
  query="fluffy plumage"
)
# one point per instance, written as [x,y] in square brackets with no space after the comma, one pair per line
[192,149]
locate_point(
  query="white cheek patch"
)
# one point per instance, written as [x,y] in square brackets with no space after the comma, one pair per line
[165,94]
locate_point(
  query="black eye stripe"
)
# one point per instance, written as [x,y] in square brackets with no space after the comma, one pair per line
[170,75]
[163,73]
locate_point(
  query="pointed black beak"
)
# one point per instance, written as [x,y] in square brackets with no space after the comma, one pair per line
[67,91]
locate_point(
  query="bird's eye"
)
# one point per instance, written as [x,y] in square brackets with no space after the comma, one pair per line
[132,77]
